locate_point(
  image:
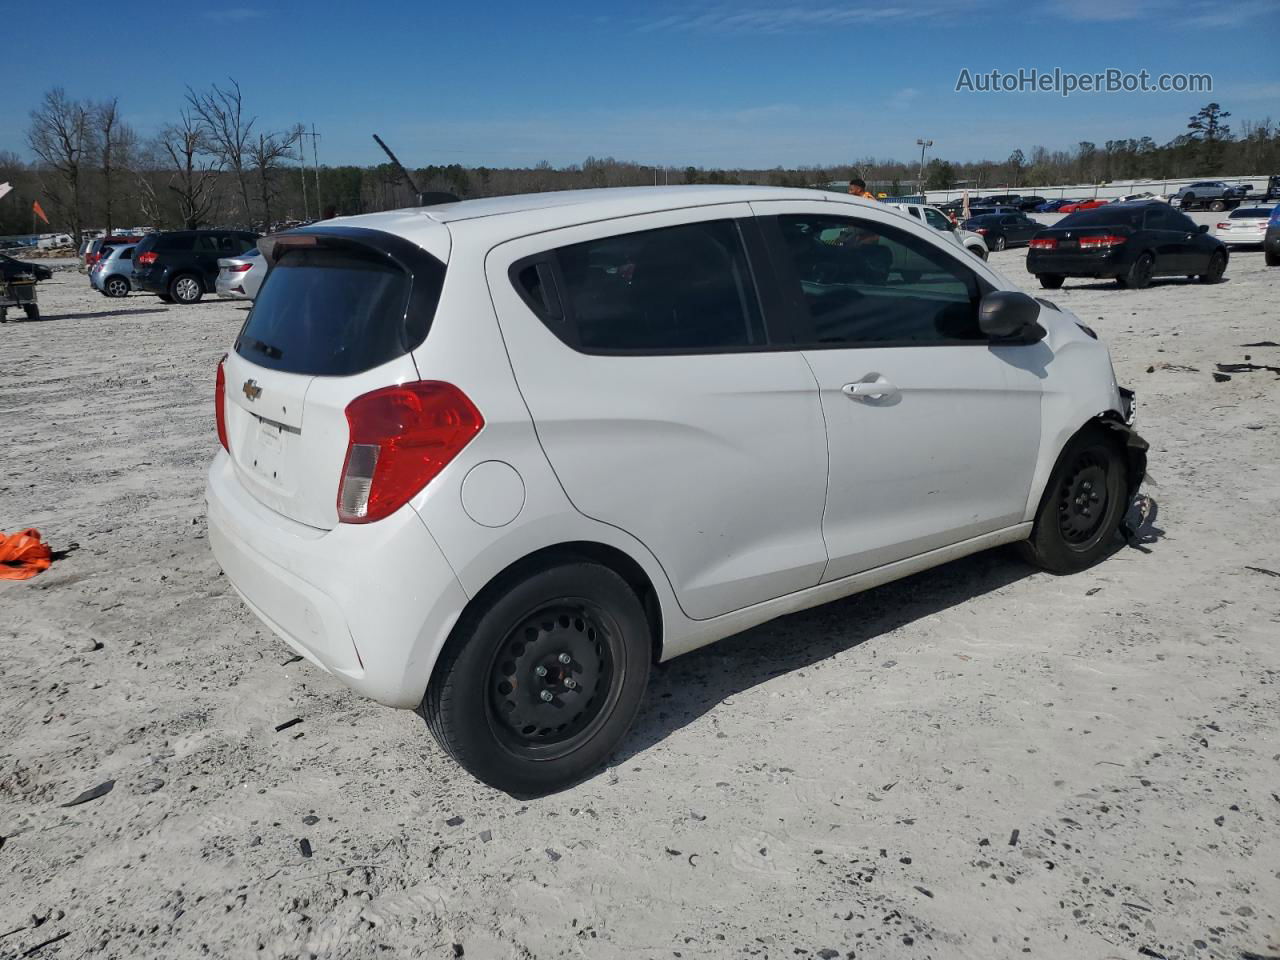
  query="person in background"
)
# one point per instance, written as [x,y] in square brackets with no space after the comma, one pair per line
[858,188]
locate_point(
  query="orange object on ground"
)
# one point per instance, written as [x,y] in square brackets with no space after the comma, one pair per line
[23,555]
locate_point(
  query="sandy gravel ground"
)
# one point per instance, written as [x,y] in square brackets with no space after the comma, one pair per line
[979,762]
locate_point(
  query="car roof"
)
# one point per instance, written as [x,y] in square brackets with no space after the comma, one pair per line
[512,216]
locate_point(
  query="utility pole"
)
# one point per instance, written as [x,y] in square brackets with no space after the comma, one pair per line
[302,169]
[315,157]
[923,145]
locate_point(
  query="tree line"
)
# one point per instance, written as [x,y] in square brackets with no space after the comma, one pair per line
[216,163]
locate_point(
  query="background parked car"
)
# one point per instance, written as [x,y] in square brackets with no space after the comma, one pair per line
[1002,230]
[1271,242]
[182,266]
[240,277]
[1245,225]
[1213,194]
[1077,205]
[110,276]
[1053,206]
[973,242]
[1130,242]
[1027,204]
[99,245]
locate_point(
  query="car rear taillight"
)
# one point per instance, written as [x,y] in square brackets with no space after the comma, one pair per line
[146,259]
[219,405]
[1224,225]
[1107,240]
[240,268]
[1044,243]
[979,229]
[401,438]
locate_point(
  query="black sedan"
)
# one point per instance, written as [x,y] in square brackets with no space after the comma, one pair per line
[1130,242]
[10,268]
[1007,229]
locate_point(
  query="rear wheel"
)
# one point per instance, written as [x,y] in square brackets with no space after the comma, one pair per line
[1051,281]
[537,688]
[997,244]
[1273,259]
[116,287]
[1217,206]
[1082,506]
[1139,273]
[978,252]
[1217,267]
[185,288]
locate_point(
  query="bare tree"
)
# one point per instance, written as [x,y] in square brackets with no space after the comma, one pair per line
[265,155]
[193,170]
[115,142]
[60,135]
[227,134]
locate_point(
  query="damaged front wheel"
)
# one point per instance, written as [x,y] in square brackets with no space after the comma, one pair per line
[1085,500]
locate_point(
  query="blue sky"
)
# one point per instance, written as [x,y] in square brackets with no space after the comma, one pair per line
[752,84]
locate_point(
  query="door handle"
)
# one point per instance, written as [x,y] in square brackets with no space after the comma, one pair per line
[877,389]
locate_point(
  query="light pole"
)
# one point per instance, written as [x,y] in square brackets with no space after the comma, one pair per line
[923,145]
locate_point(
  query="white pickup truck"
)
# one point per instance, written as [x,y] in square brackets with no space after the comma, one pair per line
[935,218]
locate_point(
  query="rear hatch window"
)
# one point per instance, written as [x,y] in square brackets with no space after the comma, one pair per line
[336,312]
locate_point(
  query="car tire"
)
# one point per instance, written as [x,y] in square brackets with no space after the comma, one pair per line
[1051,281]
[493,711]
[1217,267]
[997,244]
[1079,516]
[116,287]
[1139,274]
[185,288]
[1217,206]
[1272,259]
[978,252]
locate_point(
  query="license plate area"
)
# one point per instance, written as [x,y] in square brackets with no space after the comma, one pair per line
[269,458]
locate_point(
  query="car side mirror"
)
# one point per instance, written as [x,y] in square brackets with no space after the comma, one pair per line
[1010,316]
[1203,228]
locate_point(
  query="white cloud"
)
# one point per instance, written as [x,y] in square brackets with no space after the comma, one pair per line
[727,19]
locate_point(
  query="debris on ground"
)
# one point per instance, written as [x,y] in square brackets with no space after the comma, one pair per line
[23,555]
[93,793]
[288,723]
[304,845]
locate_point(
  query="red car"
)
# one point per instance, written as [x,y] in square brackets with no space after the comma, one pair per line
[1082,205]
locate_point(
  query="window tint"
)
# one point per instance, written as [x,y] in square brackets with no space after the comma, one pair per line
[675,288]
[936,220]
[1103,217]
[176,242]
[1180,221]
[865,283]
[126,253]
[914,212]
[1249,213]
[330,312]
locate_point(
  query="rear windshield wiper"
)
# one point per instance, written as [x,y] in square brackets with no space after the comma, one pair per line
[266,349]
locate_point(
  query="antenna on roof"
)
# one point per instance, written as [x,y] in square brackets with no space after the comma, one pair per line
[403,172]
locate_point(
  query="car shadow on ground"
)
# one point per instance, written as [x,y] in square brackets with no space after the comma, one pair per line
[44,317]
[686,688]
[1161,282]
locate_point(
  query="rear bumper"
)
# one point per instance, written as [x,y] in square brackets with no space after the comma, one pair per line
[371,604]
[151,279]
[1075,264]
[230,287]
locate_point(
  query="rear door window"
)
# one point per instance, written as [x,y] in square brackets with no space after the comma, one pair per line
[176,243]
[337,312]
[673,289]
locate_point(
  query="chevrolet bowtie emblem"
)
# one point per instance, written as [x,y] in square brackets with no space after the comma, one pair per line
[252,390]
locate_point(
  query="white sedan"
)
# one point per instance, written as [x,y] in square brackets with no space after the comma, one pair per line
[1245,225]
[240,277]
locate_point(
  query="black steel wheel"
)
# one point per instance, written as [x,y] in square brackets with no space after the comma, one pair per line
[551,682]
[1079,516]
[541,677]
[1139,274]
[1217,267]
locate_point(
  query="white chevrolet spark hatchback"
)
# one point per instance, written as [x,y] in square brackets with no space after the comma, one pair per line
[490,459]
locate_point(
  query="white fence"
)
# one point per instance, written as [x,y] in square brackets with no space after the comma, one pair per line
[1108,191]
